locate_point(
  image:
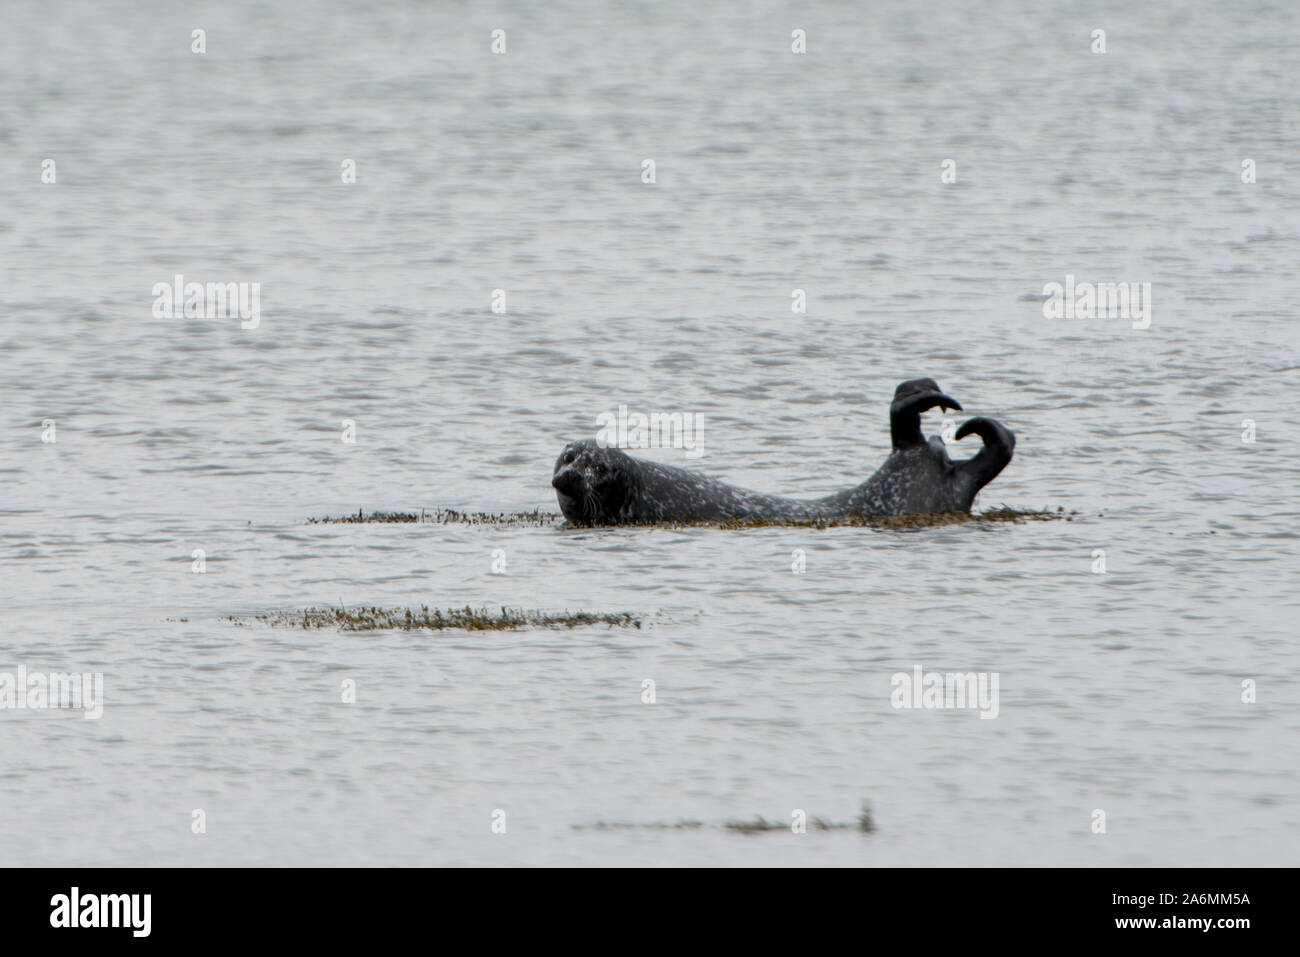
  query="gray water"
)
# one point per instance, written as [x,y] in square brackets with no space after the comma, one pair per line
[1120,691]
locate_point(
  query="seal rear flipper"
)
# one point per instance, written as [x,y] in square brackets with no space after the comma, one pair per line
[983,467]
[911,398]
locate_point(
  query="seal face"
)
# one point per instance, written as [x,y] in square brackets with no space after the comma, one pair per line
[594,485]
[606,486]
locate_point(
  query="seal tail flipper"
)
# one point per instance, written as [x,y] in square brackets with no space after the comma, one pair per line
[983,467]
[905,413]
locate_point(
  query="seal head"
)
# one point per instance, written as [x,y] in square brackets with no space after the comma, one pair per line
[593,484]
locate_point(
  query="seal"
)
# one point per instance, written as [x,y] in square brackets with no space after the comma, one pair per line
[598,485]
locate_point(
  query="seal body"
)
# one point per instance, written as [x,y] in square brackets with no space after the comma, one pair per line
[606,486]
[922,479]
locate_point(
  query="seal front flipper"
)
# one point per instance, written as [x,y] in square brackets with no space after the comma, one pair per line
[911,398]
[974,473]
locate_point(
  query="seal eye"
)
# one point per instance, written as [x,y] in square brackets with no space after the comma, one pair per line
[601,468]
[568,457]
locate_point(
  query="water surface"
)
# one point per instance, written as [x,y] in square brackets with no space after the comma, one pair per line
[1119,691]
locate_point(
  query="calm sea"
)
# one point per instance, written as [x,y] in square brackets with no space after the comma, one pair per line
[1121,691]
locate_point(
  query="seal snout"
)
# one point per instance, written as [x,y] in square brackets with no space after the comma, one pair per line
[567,481]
